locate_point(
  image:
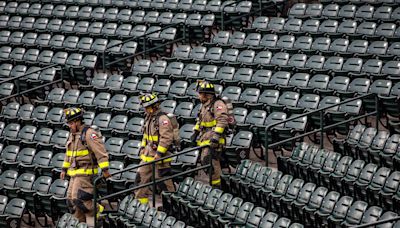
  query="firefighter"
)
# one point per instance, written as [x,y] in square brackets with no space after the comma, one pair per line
[210,128]
[157,141]
[85,154]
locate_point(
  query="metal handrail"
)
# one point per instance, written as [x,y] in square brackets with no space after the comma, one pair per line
[136,38]
[19,93]
[154,181]
[373,224]
[322,128]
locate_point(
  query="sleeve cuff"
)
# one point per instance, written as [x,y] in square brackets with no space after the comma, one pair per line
[66,165]
[104,165]
[219,130]
[161,149]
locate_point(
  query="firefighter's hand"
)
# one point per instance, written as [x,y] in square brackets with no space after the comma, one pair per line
[215,140]
[62,175]
[193,138]
[106,174]
[157,156]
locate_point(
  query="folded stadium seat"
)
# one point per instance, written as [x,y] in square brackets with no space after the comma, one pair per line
[15,38]
[25,134]
[5,69]
[278,60]
[284,42]
[177,90]
[130,150]
[131,129]
[27,24]
[183,111]
[117,103]
[285,100]
[9,154]
[30,57]
[384,30]
[351,176]
[59,11]
[11,131]
[327,27]
[302,44]
[337,84]
[329,166]
[174,69]
[168,106]
[388,152]
[8,179]
[6,89]
[391,70]
[241,76]
[239,148]
[292,25]
[304,197]
[313,205]
[275,24]
[377,145]
[231,211]
[232,182]
[165,36]
[310,165]
[138,216]
[17,54]
[83,45]
[14,23]
[290,129]
[248,96]
[306,102]
[68,27]
[100,102]
[385,216]
[297,10]
[372,214]
[151,17]
[199,201]
[179,204]
[71,12]
[124,16]
[13,212]
[190,71]
[390,53]
[376,49]
[355,213]
[43,40]
[388,190]
[364,12]
[377,183]
[134,107]
[259,23]
[325,210]
[199,6]
[4,21]
[141,67]
[162,86]
[41,24]
[9,112]
[111,15]
[281,188]
[342,209]
[338,46]
[300,167]
[170,199]
[11,8]
[356,47]
[297,61]
[62,222]
[289,163]
[41,160]
[240,216]
[235,39]
[232,92]
[179,18]
[180,52]
[281,203]
[128,202]
[345,111]
[309,26]
[363,180]
[4,37]
[23,182]
[364,143]
[216,58]
[251,41]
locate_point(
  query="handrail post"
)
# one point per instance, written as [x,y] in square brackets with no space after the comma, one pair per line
[377,111]
[321,125]
[95,200]
[104,60]
[266,146]
[154,187]
[144,44]
[210,169]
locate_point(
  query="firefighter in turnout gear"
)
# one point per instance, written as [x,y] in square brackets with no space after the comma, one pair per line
[210,128]
[85,154]
[157,142]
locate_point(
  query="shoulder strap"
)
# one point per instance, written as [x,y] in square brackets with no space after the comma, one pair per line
[83,135]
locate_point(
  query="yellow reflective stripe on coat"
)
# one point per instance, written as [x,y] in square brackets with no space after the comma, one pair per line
[74,172]
[144,143]
[162,149]
[150,159]
[208,124]
[208,142]
[103,165]
[66,164]
[77,153]
[196,127]
[219,130]
[153,138]
[143,200]
[216,182]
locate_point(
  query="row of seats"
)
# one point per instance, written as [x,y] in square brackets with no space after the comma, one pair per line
[11,211]
[297,62]
[314,205]
[70,221]
[86,8]
[195,202]
[86,28]
[363,181]
[328,27]
[298,44]
[103,14]
[131,213]
[335,11]
[359,2]
[371,145]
